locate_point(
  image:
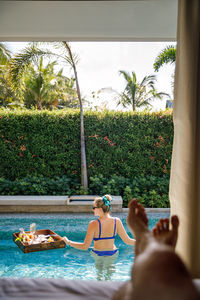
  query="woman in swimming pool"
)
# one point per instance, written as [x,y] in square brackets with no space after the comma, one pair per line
[103,230]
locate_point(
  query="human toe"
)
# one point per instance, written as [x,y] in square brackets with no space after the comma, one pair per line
[159,227]
[155,231]
[164,224]
[175,222]
[133,204]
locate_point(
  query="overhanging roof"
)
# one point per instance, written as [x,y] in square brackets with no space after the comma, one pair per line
[150,20]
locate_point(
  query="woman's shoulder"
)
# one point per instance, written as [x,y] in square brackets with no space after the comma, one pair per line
[94,222]
[116,219]
[93,225]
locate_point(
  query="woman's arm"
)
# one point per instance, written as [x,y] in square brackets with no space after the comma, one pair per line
[123,235]
[88,239]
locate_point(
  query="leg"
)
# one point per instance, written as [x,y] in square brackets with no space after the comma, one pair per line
[158,273]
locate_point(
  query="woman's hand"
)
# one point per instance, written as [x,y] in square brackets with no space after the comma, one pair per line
[66,240]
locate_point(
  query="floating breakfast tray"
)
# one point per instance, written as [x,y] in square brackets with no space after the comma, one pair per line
[57,243]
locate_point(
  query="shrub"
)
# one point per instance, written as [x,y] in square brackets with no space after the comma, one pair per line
[151,191]
[47,143]
[38,186]
[127,153]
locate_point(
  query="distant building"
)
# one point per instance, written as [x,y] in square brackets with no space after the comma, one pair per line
[169,104]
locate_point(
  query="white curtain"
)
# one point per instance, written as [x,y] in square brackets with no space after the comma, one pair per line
[185,169]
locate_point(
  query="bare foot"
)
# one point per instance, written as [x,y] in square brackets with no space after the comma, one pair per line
[163,234]
[137,219]
[138,223]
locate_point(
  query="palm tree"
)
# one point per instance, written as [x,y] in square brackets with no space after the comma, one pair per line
[46,89]
[139,94]
[7,96]
[72,61]
[18,67]
[5,54]
[39,91]
[167,55]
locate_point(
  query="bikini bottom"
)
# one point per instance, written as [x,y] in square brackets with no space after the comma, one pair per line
[105,252]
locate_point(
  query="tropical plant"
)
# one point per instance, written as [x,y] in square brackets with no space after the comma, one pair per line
[5,54]
[67,91]
[139,94]
[7,95]
[166,56]
[46,89]
[18,67]
[39,90]
[19,64]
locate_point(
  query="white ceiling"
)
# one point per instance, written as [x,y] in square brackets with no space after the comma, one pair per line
[150,20]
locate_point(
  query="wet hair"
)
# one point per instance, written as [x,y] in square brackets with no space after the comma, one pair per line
[100,203]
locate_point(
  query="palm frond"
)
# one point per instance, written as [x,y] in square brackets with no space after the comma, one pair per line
[124,100]
[126,75]
[134,78]
[167,55]
[144,103]
[5,54]
[20,62]
[148,80]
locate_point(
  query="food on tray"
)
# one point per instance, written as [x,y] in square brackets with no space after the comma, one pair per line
[43,239]
[50,239]
[27,240]
[32,238]
[22,233]
[19,239]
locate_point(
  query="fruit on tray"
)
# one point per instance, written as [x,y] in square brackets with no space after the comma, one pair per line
[32,238]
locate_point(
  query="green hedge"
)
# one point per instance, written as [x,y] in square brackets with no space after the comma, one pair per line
[47,143]
[128,154]
[151,191]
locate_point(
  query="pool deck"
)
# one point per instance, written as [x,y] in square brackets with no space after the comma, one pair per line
[77,204]
[151,210]
[57,204]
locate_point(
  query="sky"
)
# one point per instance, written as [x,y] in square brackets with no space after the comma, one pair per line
[100,62]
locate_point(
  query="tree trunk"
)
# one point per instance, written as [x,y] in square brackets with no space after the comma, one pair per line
[133,106]
[84,179]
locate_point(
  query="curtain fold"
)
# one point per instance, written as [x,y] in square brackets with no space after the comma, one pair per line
[184,190]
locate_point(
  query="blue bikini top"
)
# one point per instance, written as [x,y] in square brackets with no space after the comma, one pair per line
[105,238]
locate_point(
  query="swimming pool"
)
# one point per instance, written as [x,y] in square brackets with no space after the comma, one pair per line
[68,263]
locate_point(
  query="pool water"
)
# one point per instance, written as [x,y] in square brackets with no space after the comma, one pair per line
[68,263]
